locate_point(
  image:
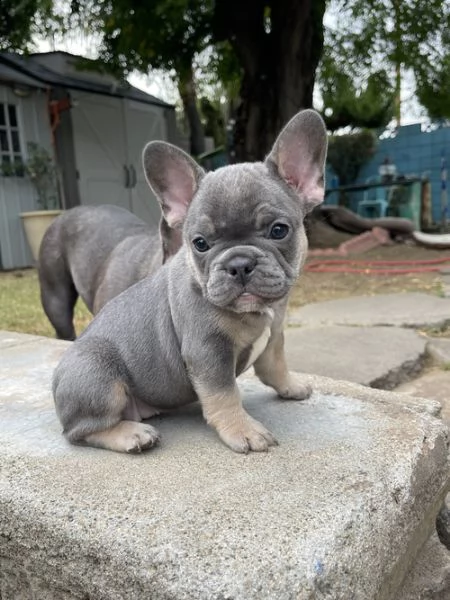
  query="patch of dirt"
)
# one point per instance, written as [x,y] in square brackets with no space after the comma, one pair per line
[318,287]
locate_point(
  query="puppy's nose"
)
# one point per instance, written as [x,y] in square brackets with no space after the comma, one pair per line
[241,268]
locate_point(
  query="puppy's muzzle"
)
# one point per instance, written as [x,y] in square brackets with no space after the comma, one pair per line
[240,268]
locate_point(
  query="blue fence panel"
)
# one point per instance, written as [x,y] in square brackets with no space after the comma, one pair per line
[414,152]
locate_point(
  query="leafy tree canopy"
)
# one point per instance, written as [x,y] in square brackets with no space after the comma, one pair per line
[370,105]
[366,35]
[433,89]
[262,54]
[161,34]
[19,21]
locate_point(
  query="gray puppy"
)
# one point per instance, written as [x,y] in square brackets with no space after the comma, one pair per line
[96,252]
[213,310]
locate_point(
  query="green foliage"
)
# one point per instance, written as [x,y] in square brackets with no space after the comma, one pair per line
[433,89]
[162,34]
[224,70]
[398,34]
[16,23]
[15,169]
[348,153]
[19,21]
[370,106]
[42,171]
[394,30]
[213,120]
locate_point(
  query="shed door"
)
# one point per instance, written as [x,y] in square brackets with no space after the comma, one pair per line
[110,135]
[143,124]
[100,149]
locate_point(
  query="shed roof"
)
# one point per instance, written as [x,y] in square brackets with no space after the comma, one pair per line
[62,69]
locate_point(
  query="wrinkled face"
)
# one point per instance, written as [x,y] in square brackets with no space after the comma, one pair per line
[245,237]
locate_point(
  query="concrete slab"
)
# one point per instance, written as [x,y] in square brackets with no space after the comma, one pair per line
[340,509]
[435,385]
[12,338]
[430,577]
[382,357]
[439,350]
[445,279]
[399,310]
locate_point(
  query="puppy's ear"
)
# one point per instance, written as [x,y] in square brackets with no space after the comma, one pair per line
[171,239]
[173,176]
[299,155]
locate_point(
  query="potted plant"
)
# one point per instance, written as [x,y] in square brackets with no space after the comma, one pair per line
[42,171]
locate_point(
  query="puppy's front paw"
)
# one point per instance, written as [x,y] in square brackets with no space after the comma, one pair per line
[243,433]
[126,436]
[295,388]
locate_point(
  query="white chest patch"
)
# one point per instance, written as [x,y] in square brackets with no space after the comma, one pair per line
[258,347]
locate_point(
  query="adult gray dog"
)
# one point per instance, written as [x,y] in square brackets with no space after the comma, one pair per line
[213,310]
[96,252]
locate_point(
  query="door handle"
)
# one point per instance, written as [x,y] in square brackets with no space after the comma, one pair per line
[126,177]
[133,176]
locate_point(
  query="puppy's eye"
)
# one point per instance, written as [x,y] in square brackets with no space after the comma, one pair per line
[279,231]
[200,244]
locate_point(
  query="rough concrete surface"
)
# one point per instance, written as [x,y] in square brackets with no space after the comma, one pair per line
[430,578]
[439,350]
[443,526]
[401,310]
[434,384]
[382,357]
[339,510]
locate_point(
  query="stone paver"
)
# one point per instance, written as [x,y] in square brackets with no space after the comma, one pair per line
[400,310]
[338,510]
[434,385]
[430,577]
[381,357]
[445,278]
[12,338]
[439,350]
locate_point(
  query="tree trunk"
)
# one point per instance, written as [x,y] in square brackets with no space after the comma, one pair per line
[397,95]
[398,62]
[279,44]
[186,88]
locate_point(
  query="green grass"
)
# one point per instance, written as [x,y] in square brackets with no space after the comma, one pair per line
[21,309]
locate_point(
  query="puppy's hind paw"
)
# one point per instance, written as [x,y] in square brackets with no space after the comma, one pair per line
[142,440]
[126,436]
[295,388]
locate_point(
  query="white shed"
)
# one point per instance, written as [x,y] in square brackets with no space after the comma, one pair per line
[95,128]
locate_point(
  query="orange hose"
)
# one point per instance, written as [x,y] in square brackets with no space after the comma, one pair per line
[370,267]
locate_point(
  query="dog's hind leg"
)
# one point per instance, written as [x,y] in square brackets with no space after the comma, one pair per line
[58,292]
[58,297]
[93,401]
[126,436]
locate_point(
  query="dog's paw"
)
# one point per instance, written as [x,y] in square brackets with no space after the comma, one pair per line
[126,436]
[145,438]
[295,388]
[244,433]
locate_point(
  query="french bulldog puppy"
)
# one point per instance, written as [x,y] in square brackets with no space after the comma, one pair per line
[96,252]
[213,310]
